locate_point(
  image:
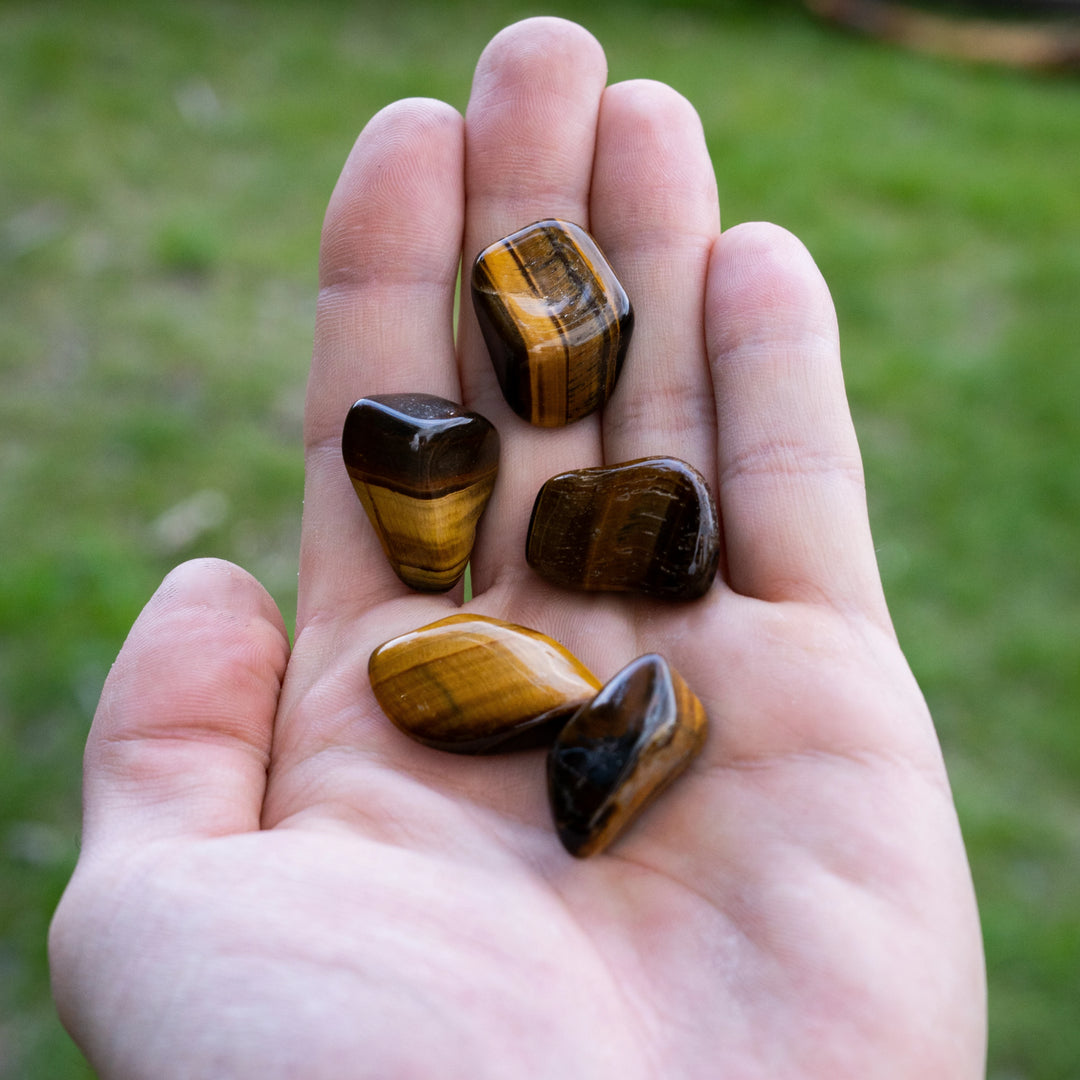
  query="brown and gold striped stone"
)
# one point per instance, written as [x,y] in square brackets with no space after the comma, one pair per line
[556,320]
[472,684]
[423,468]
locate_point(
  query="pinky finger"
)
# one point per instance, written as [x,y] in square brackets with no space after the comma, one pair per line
[791,488]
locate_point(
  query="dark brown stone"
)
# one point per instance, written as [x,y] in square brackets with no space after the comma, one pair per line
[620,751]
[646,526]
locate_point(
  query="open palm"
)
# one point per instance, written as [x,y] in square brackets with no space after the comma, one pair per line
[275,882]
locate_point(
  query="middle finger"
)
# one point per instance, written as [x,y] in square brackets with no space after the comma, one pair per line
[530,137]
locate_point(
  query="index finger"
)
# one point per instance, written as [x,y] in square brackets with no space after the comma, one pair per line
[391,247]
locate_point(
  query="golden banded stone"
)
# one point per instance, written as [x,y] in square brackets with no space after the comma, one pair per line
[423,469]
[471,684]
[556,320]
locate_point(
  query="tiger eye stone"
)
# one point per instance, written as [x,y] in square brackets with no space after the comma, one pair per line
[423,468]
[556,320]
[620,751]
[473,684]
[646,526]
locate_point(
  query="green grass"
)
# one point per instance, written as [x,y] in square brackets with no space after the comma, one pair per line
[163,173]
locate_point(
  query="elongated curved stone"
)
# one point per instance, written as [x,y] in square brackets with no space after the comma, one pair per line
[556,320]
[620,751]
[423,468]
[473,684]
[646,526]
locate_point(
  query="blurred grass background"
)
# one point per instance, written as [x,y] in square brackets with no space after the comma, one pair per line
[163,174]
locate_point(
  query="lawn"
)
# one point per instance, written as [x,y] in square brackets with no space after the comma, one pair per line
[163,174]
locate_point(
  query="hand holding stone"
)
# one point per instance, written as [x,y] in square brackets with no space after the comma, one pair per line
[273,881]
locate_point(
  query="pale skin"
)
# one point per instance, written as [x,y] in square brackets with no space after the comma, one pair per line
[275,882]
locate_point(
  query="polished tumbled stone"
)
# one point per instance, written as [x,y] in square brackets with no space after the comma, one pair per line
[556,320]
[473,684]
[647,526]
[423,467]
[620,751]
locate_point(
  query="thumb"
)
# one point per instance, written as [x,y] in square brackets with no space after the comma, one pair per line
[181,739]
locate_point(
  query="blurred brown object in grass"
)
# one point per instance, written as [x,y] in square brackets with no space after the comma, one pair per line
[1039,35]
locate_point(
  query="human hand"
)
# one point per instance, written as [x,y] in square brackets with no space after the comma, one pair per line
[275,882]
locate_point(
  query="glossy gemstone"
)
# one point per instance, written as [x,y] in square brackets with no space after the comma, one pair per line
[473,684]
[423,467]
[556,320]
[620,751]
[646,526]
